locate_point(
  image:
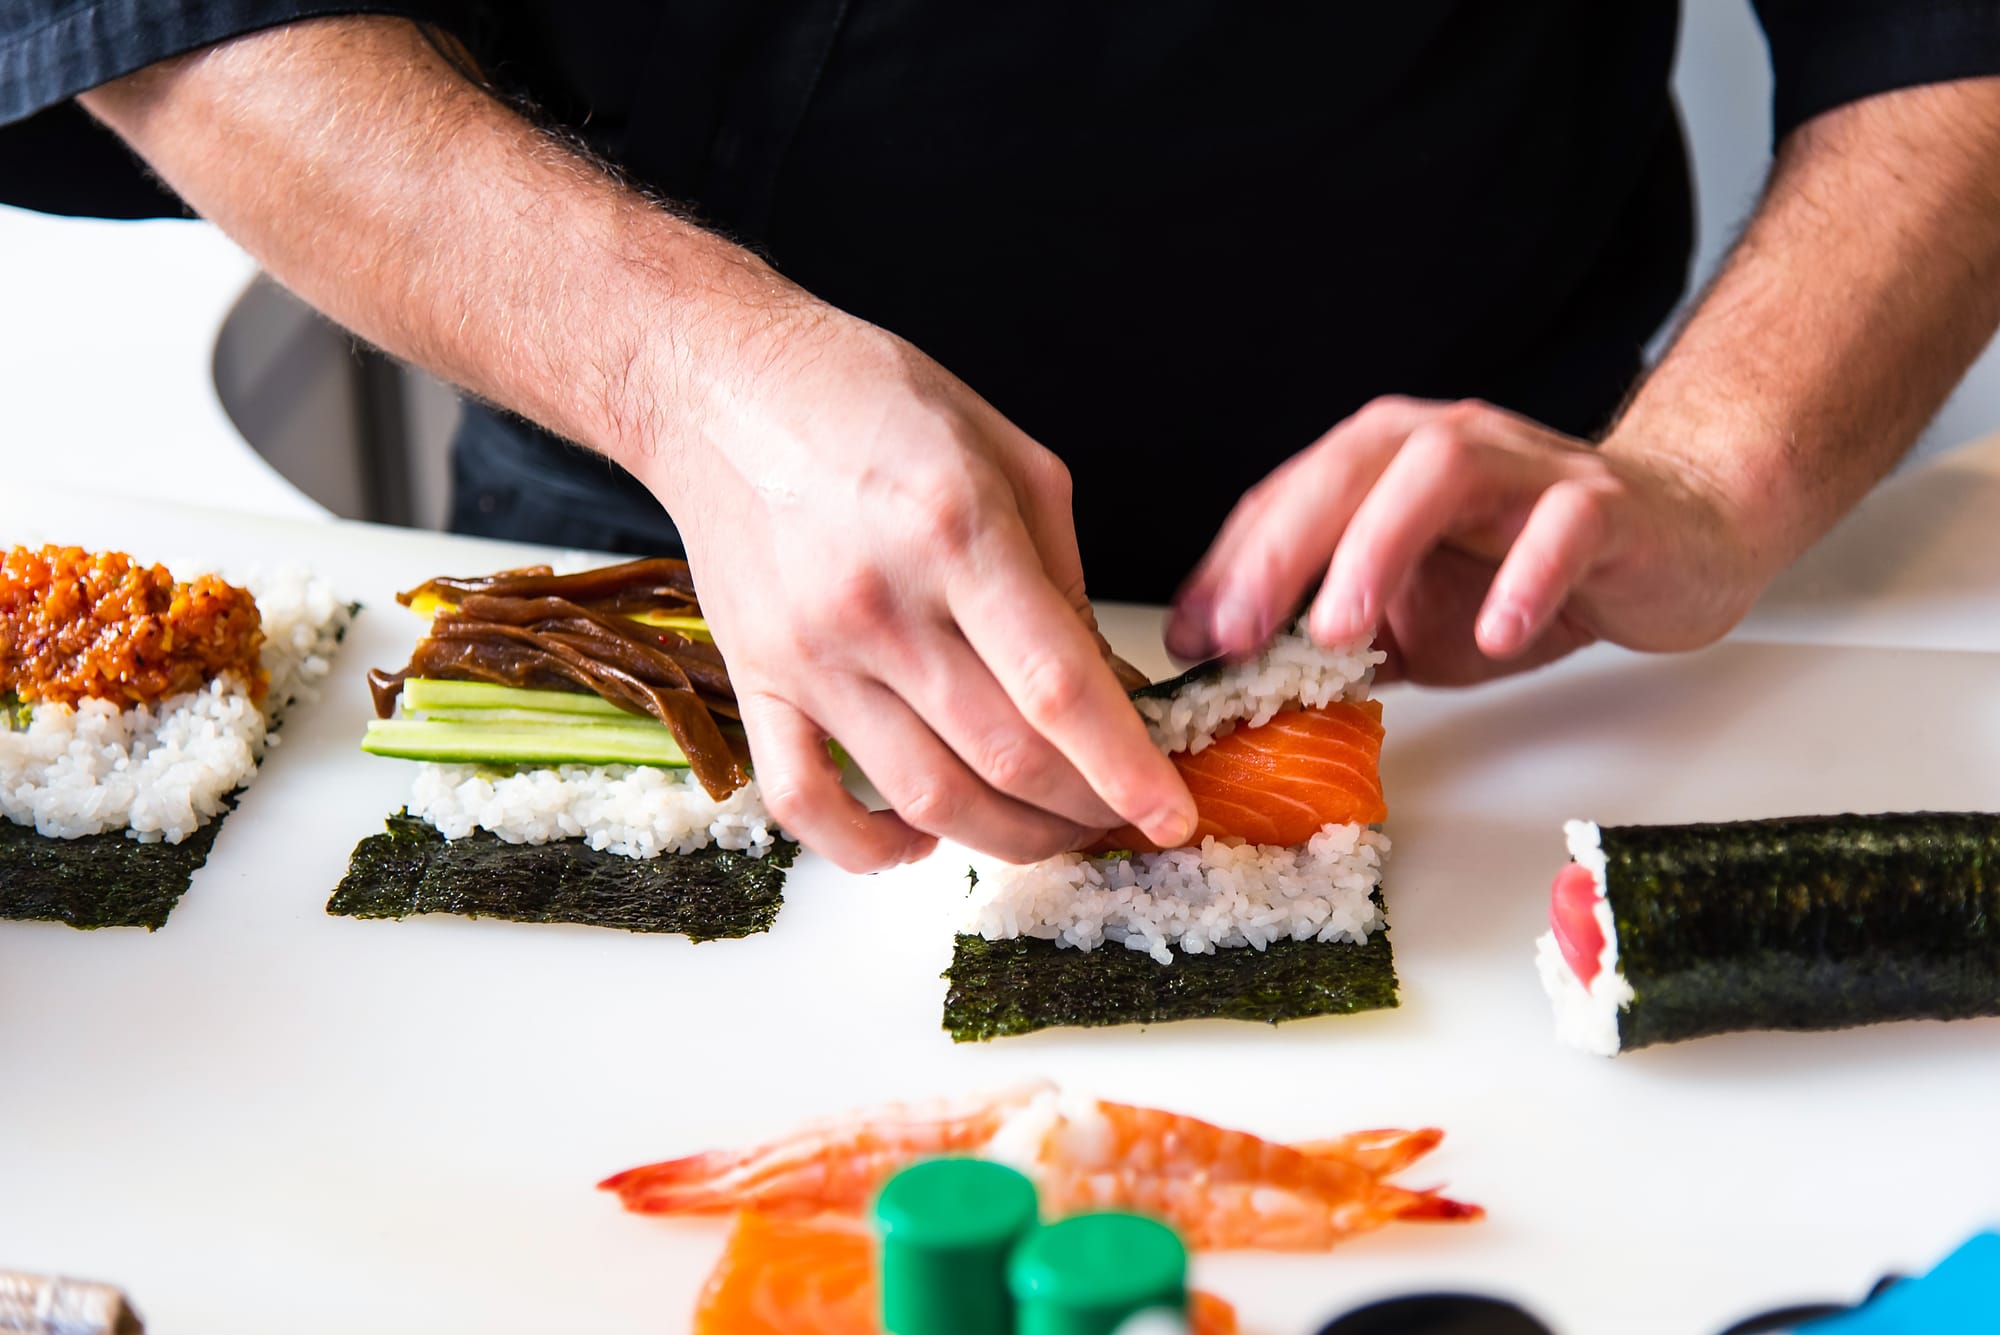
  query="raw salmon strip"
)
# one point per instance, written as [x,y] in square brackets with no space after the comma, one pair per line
[1279,782]
[791,1277]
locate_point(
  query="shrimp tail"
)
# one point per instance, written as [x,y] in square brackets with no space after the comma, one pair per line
[696,1184]
[1381,1152]
[1427,1207]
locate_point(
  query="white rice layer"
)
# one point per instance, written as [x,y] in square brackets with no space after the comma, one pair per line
[161,772]
[1199,899]
[1293,672]
[1586,1017]
[636,811]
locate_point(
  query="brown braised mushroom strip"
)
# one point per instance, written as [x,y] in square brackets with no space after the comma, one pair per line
[648,651]
[387,686]
[450,587]
[652,584]
[634,659]
[708,753]
[501,664]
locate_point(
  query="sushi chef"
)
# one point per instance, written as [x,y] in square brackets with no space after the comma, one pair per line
[912,315]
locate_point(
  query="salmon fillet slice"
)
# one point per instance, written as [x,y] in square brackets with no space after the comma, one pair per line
[1279,782]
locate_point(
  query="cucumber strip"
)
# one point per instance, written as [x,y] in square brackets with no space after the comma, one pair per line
[522,744]
[425,694]
[547,718]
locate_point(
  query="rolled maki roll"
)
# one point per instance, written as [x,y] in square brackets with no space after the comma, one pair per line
[1270,912]
[1662,933]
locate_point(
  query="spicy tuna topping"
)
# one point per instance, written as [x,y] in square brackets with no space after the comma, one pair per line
[96,625]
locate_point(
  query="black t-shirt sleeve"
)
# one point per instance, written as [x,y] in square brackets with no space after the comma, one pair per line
[1825,53]
[55,158]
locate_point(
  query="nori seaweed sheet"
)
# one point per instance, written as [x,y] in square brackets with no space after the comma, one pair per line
[99,880]
[705,895]
[1003,988]
[1814,922]
[1165,689]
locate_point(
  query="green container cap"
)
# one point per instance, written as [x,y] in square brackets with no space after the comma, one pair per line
[1088,1274]
[947,1227]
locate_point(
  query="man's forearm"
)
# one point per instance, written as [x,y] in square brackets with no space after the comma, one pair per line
[373,179]
[1864,286]
[883,557]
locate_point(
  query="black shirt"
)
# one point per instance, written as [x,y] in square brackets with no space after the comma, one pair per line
[1173,241]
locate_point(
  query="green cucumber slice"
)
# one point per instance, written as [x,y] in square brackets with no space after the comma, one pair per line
[522,744]
[424,694]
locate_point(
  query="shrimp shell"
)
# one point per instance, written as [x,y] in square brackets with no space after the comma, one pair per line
[1220,1188]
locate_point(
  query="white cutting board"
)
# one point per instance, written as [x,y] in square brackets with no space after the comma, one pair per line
[265,1119]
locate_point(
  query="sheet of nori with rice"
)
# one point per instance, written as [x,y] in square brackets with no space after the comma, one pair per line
[1000,989]
[582,761]
[134,708]
[1664,933]
[1273,910]
[705,895]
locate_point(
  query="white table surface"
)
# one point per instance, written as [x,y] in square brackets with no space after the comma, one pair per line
[265,1119]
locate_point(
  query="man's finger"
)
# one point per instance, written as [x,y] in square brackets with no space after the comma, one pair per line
[801,789]
[942,679]
[1044,497]
[933,790]
[1423,493]
[1047,661]
[1563,538]
[1283,533]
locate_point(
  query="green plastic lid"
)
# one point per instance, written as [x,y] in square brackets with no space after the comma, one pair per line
[1088,1274]
[947,1227]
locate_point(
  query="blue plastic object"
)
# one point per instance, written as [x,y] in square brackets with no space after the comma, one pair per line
[1960,1297]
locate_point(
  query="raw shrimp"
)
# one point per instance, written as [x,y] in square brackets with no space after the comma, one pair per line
[1219,1188]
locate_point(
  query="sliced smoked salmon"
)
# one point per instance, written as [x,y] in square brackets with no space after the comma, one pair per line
[817,1277]
[1277,783]
[791,1277]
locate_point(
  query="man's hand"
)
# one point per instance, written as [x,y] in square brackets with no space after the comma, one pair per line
[886,560]
[1474,542]
[1480,543]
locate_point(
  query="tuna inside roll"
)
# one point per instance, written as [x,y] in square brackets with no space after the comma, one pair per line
[1668,932]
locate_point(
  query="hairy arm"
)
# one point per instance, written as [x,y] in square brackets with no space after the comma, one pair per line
[1481,543]
[370,177]
[882,556]
[1864,286]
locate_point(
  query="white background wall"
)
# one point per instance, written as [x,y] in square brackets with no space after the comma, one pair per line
[1724,83]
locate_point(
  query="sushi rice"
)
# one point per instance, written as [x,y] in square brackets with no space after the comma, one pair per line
[1586,1016]
[636,811]
[160,772]
[1201,899]
[1221,895]
[1292,672]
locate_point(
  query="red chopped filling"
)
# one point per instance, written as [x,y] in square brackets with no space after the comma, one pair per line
[95,625]
[1573,914]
